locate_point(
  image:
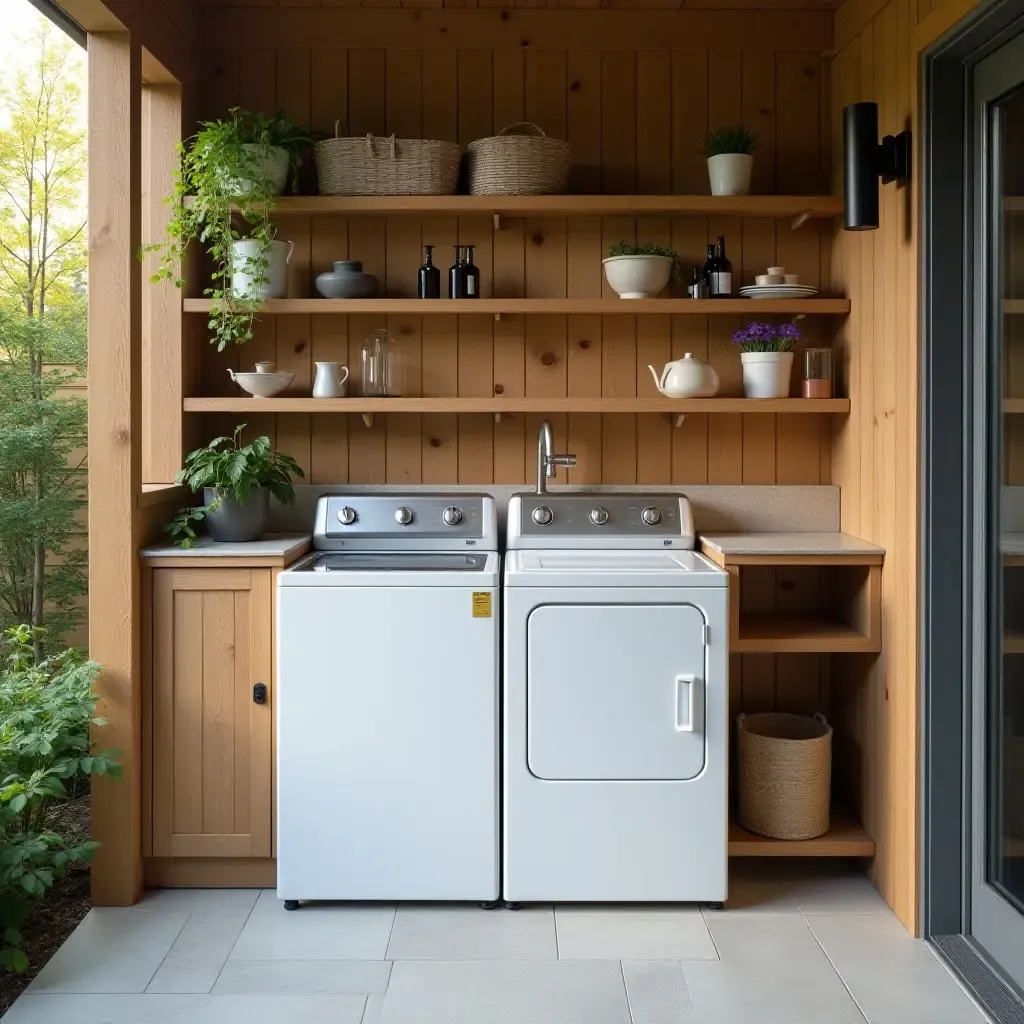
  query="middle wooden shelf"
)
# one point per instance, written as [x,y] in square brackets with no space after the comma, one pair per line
[550,307]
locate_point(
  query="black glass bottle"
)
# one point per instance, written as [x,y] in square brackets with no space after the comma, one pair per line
[456,276]
[708,269]
[471,274]
[428,285]
[697,287]
[721,273]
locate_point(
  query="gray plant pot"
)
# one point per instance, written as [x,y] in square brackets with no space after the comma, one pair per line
[235,523]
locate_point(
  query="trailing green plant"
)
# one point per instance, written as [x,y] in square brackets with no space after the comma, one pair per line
[224,174]
[46,757]
[730,138]
[623,248]
[232,471]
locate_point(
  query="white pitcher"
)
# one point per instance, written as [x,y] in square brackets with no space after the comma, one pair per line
[243,274]
[331,380]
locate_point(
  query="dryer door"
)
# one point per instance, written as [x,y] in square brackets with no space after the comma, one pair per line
[615,691]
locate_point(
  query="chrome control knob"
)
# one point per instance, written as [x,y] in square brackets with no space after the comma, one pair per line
[651,515]
[543,516]
[403,515]
[452,516]
[346,515]
[599,516]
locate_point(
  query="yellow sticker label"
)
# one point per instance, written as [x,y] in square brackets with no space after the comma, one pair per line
[481,604]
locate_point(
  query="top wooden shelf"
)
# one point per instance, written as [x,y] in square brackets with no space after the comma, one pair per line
[773,206]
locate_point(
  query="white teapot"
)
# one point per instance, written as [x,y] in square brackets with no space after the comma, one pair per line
[686,378]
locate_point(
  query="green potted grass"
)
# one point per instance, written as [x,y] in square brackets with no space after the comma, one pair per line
[730,152]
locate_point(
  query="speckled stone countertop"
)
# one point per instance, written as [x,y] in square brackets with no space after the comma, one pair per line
[789,544]
[273,549]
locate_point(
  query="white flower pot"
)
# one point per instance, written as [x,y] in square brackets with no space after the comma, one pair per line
[766,374]
[729,173]
[638,277]
[243,274]
[275,168]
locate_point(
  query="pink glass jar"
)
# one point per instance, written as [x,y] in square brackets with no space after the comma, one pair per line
[817,375]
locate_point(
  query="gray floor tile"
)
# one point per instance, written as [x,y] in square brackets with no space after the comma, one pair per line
[203,902]
[199,952]
[909,992]
[185,1009]
[657,993]
[465,932]
[114,949]
[632,932]
[310,977]
[807,991]
[853,937]
[371,1014]
[843,894]
[317,931]
[758,896]
[761,937]
[480,992]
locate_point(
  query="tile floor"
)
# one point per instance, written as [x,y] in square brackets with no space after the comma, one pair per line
[790,948]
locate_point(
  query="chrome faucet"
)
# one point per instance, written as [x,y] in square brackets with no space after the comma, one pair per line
[547,461]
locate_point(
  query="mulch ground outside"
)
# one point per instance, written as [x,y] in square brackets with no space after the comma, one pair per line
[56,917]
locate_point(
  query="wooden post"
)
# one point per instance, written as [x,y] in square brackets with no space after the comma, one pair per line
[115,446]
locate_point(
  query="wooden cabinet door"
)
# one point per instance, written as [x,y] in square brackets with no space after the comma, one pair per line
[212,744]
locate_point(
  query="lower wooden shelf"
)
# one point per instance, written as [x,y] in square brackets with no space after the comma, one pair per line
[1013,642]
[780,633]
[846,838]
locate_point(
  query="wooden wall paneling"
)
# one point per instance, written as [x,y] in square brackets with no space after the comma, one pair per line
[757,680]
[798,685]
[583,120]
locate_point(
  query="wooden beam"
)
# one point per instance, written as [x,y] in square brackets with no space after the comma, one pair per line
[115,328]
[362,28]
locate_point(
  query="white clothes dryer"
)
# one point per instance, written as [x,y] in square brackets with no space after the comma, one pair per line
[615,704]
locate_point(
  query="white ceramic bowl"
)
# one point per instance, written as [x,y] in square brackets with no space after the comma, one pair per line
[777,271]
[763,280]
[262,385]
[638,277]
[790,278]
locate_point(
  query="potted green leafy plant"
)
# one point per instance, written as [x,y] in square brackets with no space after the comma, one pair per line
[730,152]
[766,352]
[641,271]
[231,171]
[236,482]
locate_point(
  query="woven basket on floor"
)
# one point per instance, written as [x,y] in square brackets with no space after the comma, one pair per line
[519,161]
[373,166]
[785,775]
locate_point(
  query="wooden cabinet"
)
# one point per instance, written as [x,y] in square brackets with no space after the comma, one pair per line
[211,777]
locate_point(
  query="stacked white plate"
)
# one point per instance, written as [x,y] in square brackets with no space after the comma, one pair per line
[778,291]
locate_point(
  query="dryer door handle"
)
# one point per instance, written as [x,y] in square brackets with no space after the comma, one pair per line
[688,693]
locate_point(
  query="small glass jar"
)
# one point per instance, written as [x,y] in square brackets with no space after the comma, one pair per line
[817,376]
[381,366]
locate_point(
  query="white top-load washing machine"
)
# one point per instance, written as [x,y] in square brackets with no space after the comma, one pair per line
[387,702]
[616,703]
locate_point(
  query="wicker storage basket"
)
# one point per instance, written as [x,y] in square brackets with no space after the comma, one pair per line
[519,161]
[785,774]
[374,166]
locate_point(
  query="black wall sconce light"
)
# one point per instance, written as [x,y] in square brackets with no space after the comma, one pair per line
[865,160]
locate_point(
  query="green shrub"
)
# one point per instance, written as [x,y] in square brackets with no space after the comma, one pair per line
[730,138]
[46,709]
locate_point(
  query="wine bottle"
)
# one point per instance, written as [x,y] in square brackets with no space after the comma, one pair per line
[707,270]
[721,273]
[472,274]
[456,277]
[697,288]
[429,279]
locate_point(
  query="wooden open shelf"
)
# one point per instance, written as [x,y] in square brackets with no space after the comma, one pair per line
[787,633]
[1013,642]
[1013,406]
[242,404]
[1013,307]
[846,838]
[774,206]
[555,307]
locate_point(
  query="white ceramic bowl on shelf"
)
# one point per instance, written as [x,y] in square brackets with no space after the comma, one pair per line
[638,277]
[262,385]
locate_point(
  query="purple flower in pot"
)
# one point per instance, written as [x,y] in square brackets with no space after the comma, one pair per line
[766,352]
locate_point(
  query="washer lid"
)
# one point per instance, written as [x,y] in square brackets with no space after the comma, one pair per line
[668,568]
[475,570]
[399,561]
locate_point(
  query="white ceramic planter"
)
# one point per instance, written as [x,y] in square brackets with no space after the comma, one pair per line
[276,168]
[766,374]
[638,277]
[243,274]
[729,173]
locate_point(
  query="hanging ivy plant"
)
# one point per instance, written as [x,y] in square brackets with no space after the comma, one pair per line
[229,174]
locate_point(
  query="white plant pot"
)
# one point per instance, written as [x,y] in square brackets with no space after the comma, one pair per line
[638,277]
[243,276]
[766,374]
[275,168]
[729,173]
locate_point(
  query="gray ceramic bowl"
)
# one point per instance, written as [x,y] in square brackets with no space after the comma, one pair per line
[347,281]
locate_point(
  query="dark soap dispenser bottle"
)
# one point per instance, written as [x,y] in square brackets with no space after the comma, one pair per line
[457,276]
[471,273]
[429,281]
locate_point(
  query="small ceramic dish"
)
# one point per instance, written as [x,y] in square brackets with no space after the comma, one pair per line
[262,385]
[790,278]
[763,280]
[777,271]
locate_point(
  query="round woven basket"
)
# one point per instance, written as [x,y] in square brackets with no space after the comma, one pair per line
[519,161]
[374,166]
[785,775]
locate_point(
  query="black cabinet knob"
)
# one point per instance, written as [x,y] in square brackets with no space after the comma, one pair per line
[259,693]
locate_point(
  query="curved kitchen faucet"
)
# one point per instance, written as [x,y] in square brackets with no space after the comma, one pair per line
[547,461]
